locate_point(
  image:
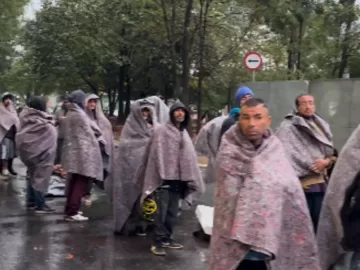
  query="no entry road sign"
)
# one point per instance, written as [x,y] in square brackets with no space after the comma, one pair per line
[253,61]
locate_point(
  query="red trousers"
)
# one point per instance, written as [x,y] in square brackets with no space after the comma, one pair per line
[76,189]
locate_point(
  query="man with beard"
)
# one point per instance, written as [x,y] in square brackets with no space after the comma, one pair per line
[9,124]
[171,174]
[81,155]
[308,142]
[260,215]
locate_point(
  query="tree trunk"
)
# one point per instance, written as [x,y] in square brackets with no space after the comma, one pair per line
[202,33]
[112,100]
[128,95]
[170,30]
[291,52]
[121,117]
[300,36]
[345,48]
[185,56]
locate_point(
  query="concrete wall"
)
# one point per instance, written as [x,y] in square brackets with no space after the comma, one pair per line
[337,101]
[279,96]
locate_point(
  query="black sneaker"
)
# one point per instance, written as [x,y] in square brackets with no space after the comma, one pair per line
[45,210]
[172,245]
[158,250]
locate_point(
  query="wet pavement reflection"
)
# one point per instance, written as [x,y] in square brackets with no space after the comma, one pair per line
[31,242]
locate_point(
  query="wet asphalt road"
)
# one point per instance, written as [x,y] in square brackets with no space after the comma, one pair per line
[30,242]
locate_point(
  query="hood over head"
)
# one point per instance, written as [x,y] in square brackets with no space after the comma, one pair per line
[242,92]
[146,103]
[235,113]
[91,96]
[136,112]
[93,113]
[7,96]
[161,109]
[78,97]
[37,103]
[178,105]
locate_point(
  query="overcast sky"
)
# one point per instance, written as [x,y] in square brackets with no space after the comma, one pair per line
[32,7]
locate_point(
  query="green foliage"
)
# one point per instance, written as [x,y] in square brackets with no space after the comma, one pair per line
[130,48]
[10,11]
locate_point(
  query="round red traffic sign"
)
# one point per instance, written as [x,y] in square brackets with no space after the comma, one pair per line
[253,61]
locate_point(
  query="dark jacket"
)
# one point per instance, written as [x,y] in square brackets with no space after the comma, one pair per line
[350,216]
[178,105]
[228,123]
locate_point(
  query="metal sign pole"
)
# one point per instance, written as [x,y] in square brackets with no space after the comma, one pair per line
[253,75]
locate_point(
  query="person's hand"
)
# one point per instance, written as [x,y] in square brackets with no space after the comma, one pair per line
[62,117]
[62,173]
[57,167]
[320,165]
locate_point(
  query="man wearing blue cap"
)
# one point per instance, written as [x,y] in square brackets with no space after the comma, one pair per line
[242,95]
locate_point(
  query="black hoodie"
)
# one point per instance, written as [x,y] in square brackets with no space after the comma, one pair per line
[78,97]
[178,105]
[37,103]
[177,185]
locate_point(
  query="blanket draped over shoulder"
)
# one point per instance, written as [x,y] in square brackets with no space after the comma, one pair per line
[330,231]
[302,144]
[259,205]
[172,157]
[81,151]
[207,144]
[106,129]
[36,143]
[8,118]
[128,159]
[103,123]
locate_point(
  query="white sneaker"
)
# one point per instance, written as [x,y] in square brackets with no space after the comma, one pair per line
[76,218]
[5,172]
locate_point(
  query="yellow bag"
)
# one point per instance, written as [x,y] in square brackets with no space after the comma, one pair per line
[149,209]
[312,180]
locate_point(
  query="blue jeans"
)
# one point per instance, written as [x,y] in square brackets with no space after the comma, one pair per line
[314,201]
[167,209]
[34,197]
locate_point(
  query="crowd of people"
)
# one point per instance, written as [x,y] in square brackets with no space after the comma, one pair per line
[283,200]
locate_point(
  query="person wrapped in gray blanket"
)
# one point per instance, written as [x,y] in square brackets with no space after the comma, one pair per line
[36,144]
[171,174]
